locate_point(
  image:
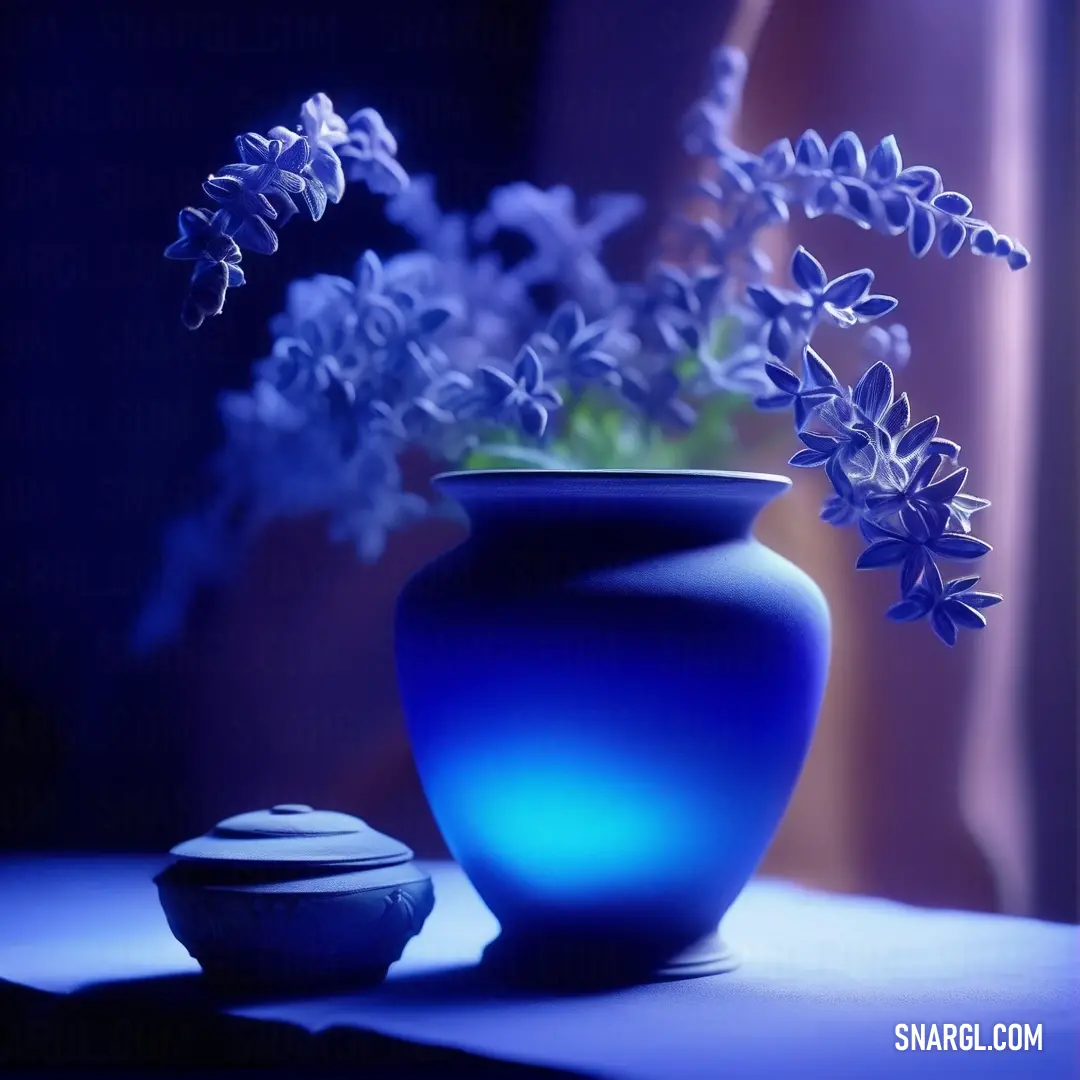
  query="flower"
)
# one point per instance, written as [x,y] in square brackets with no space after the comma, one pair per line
[807,394]
[949,606]
[708,125]
[913,549]
[846,505]
[875,191]
[794,316]
[370,154]
[375,507]
[919,497]
[321,124]
[217,260]
[411,352]
[823,449]
[565,249]
[203,238]
[270,166]
[259,189]
[245,214]
[575,347]
[522,394]
[681,305]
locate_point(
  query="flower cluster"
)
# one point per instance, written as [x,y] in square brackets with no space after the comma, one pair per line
[449,349]
[256,195]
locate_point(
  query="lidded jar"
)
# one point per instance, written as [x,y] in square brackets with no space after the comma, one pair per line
[294,896]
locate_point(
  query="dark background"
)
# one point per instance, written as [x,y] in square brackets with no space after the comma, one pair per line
[282,688]
[118,111]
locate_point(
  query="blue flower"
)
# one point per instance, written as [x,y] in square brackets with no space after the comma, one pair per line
[680,305]
[374,505]
[949,606]
[707,127]
[733,246]
[411,354]
[821,449]
[264,406]
[396,327]
[245,214]
[202,238]
[217,263]
[872,421]
[316,309]
[846,505]
[953,209]
[844,301]
[324,131]
[962,507]
[866,184]
[877,192]
[522,395]
[920,496]
[565,249]
[370,154]
[298,366]
[575,347]
[321,124]
[1017,258]
[727,71]
[920,441]
[270,166]
[875,411]
[206,293]
[260,189]
[776,163]
[912,549]
[315,193]
[821,191]
[807,394]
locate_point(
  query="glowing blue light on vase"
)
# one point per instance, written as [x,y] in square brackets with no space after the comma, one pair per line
[564,817]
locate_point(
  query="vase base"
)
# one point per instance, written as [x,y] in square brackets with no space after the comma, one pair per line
[573,965]
[707,956]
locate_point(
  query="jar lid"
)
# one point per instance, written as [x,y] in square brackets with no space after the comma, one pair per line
[294,833]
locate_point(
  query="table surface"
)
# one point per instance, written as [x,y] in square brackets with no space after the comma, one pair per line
[824,981]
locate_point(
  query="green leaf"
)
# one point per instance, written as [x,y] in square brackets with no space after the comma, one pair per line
[686,367]
[726,332]
[509,456]
[714,433]
[595,431]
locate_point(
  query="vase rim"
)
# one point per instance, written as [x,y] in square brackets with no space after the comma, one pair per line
[677,482]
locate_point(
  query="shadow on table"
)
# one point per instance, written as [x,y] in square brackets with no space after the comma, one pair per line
[477,986]
[179,1023]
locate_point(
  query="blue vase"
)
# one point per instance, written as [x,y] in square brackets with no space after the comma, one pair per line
[610,689]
